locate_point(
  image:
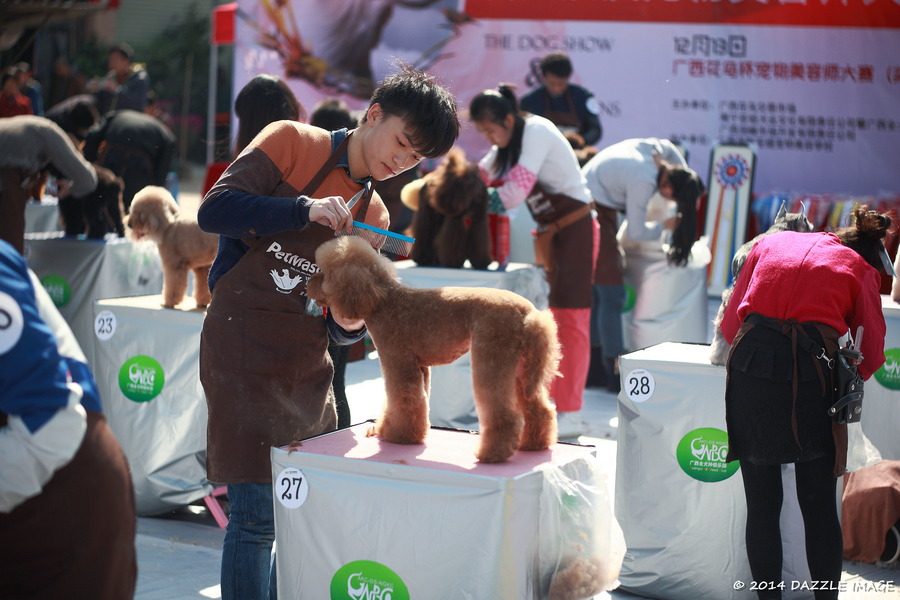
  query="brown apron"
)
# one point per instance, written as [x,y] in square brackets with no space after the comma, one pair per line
[830,337]
[610,268]
[264,363]
[569,261]
[76,538]
[562,120]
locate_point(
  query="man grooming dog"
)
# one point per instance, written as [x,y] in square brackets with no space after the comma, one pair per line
[414,329]
[264,363]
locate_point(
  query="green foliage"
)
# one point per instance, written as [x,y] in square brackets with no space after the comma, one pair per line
[182,50]
[92,58]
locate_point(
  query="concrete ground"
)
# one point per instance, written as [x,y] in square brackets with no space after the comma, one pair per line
[179,553]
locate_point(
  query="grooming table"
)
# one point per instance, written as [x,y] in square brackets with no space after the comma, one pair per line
[881,404]
[42,216]
[670,302]
[355,512]
[77,272]
[146,363]
[452,403]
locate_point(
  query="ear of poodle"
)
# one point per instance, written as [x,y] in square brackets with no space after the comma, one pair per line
[409,195]
[355,279]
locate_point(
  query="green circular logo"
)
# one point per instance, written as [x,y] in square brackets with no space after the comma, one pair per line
[367,580]
[141,379]
[58,288]
[889,373]
[630,298]
[701,454]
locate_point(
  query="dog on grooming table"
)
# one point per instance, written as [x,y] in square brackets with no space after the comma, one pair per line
[514,347]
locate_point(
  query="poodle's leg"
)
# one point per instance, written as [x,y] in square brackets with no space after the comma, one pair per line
[201,286]
[404,417]
[494,388]
[535,373]
[478,242]
[175,283]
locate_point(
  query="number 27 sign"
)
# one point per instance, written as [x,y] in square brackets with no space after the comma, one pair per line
[291,488]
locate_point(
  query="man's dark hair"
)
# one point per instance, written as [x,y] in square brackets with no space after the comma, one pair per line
[428,109]
[557,64]
[125,50]
[332,114]
[82,117]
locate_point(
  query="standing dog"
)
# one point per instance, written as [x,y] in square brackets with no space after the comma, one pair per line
[784,221]
[514,348]
[183,246]
[97,213]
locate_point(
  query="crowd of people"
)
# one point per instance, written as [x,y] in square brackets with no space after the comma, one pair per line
[288,184]
[111,122]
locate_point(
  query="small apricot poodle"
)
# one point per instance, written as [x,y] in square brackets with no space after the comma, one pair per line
[515,352]
[183,246]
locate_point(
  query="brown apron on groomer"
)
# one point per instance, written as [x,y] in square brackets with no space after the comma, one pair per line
[264,362]
[564,246]
[76,538]
[563,120]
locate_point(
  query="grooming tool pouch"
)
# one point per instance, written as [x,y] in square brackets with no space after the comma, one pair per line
[848,388]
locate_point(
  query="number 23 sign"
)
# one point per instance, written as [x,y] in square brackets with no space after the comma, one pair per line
[639,385]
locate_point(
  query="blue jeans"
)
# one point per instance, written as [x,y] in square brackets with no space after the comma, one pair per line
[606,319]
[248,566]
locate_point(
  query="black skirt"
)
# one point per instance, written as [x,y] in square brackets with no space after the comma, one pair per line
[759,400]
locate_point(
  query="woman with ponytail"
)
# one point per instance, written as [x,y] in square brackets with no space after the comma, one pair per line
[532,163]
[797,294]
[622,179]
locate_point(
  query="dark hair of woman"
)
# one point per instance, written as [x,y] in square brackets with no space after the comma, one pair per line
[866,235]
[332,114]
[686,189]
[494,106]
[264,100]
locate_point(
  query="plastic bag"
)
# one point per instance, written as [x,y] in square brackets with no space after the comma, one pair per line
[582,545]
[861,453]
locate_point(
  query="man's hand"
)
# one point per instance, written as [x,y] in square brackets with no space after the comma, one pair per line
[347,324]
[63,188]
[331,212]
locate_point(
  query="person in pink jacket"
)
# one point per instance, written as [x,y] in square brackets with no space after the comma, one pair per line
[797,294]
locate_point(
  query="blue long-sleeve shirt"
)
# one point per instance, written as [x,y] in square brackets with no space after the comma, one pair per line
[235,215]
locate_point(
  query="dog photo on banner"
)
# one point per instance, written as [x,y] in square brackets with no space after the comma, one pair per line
[728,203]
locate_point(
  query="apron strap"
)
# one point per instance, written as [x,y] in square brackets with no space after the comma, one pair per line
[329,165]
[332,161]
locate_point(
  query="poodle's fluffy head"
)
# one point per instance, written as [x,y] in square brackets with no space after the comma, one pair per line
[152,209]
[454,185]
[353,279]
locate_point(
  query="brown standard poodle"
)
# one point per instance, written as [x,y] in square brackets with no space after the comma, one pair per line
[182,244]
[515,352]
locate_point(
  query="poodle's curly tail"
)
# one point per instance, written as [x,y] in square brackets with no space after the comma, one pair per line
[542,353]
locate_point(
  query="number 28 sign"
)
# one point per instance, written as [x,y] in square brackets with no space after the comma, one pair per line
[639,385]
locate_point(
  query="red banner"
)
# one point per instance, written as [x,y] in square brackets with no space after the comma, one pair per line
[880,14]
